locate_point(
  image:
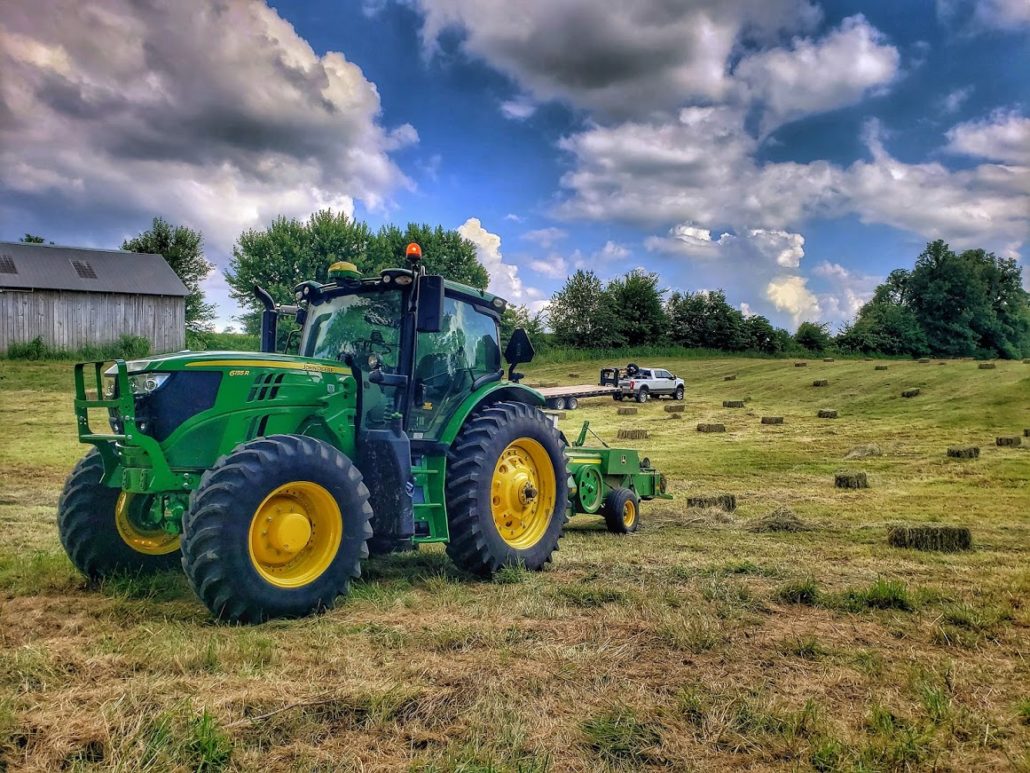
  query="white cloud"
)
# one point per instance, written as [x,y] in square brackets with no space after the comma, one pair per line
[625,58]
[816,76]
[953,102]
[504,277]
[555,267]
[217,116]
[1003,14]
[781,248]
[847,291]
[518,109]
[545,237]
[790,294]
[1002,136]
[611,251]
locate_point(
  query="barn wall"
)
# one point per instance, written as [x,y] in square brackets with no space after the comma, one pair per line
[70,320]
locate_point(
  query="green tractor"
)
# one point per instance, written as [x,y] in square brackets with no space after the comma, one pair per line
[270,476]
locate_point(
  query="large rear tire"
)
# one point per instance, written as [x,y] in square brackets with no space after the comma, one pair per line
[100,529]
[642,394]
[277,528]
[507,490]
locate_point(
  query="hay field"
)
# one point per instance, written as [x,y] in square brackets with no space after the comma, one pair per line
[708,641]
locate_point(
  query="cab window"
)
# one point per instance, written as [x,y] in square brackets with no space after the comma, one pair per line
[448,363]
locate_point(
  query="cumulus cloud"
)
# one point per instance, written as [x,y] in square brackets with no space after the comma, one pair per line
[814,76]
[504,277]
[954,100]
[554,267]
[846,291]
[777,247]
[518,109]
[617,58]
[981,15]
[216,115]
[545,237]
[790,294]
[1003,136]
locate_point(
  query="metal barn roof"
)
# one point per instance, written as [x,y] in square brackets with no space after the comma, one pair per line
[51,267]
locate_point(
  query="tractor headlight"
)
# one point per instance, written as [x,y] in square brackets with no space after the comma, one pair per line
[145,383]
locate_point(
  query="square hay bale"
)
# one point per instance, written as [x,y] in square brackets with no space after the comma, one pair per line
[675,408]
[821,382]
[947,539]
[986,366]
[727,502]
[772,420]
[850,480]
[827,413]
[633,434]
[879,367]
[711,427]
[626,411]
[1008,440]
[675,415]
[1026,432]
[964,452]
[827,359]
[910,393]
[800,364]
[573,375]
[731,377]
[732,403]
[923,360]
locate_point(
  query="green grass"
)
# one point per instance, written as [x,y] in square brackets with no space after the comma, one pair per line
[696,643]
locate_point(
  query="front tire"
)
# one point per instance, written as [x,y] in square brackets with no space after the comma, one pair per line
[679,393]
[507,490]
[277,528]
[99,528]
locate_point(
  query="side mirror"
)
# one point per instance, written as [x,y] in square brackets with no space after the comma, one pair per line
[429,318]
[519,350]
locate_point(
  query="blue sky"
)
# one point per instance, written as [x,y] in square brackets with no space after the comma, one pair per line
[789,152]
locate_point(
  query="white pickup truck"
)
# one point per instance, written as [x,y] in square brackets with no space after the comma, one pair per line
[642,384]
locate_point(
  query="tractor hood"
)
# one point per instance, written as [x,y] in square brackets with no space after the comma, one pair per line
[188,360]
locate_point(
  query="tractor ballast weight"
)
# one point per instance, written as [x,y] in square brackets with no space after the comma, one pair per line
[270,476]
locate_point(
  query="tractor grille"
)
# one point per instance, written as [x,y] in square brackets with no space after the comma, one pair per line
[180,398]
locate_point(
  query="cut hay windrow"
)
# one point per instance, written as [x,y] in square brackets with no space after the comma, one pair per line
[827,413]
[675,408]
[781,519]
[850,480]
[946,539]
[727,502]
[732,403]
[772,420]
[986,366]
[633,434]
[821,382]
[864,451]
[800,364]
[879,367]
[1008,440]
[711,427]
[626,411]
[910,393]
[964,452]
[731,377]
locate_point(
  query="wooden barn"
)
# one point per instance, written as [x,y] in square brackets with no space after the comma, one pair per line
[73,297]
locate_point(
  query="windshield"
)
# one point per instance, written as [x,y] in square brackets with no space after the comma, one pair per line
[360,324]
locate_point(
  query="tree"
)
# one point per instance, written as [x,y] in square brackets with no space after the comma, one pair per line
[289,251]
[637,305]
[581,314]
[884,327]
[521,316]
[445,252]
[706,320]
[32,239]
[183,249]
[813,336]
[761,336]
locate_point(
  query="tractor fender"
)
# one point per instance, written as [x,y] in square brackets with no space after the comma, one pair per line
[496,392]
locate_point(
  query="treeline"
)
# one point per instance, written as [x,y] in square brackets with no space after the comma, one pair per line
[968,304]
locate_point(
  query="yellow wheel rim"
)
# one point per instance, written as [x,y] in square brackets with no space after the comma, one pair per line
[151,542]
[295,534]
[629,513]
[523,492]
